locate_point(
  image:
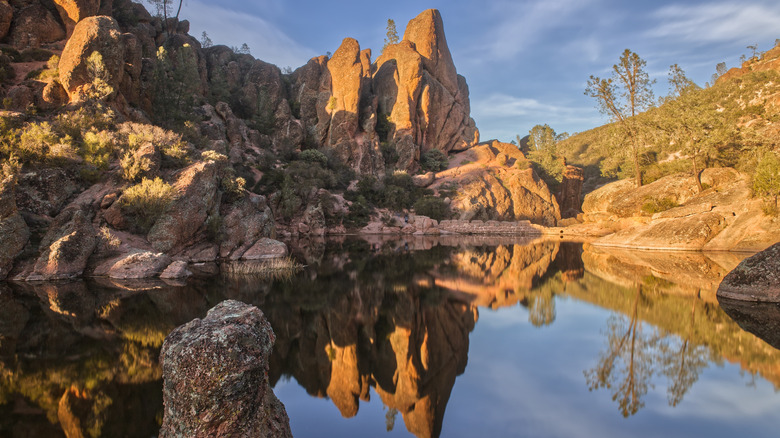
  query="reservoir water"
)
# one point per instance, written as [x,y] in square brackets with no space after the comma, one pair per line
[420,337]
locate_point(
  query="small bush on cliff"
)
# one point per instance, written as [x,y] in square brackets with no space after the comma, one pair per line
[396,191]
[657,205]
[434,160]
[147,201]
[171,145]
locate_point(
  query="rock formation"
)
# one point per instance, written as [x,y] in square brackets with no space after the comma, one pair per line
[215,373]
[670,214]
[13,230]
[571,189]
[496,182]
[757,278]
[94,34]
[411,97]
[73,11]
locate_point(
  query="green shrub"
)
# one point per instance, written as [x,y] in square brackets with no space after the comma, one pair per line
[314,156]
[134,168]
[359,213]
[36,140]
[434,160]
[147,201]
[97,148]
[656,205]
[171,145]
[433,207]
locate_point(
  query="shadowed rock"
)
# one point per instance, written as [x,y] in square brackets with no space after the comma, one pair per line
[757,278]
[215,373]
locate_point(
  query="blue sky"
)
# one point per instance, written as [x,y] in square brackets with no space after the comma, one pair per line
[526,61]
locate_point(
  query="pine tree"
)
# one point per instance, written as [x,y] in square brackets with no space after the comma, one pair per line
[623,96]
[392,34]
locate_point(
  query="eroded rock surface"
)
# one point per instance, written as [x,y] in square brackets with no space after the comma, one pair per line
[215,373]
[757,278]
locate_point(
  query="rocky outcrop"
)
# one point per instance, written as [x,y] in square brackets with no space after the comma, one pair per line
[217,367]
[45,192]
[197,188]
[496,182]
[66,247]
[144,264]
[420,94]
[722,217]
[411,98]
[73,11]
[94,34]
[6,16]
[34,25]
[757,278]
[13,230]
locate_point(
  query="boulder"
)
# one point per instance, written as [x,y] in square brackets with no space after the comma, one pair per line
[93,34]
[177,269]
[756,278]
[13,230]
[142,264]
[73,11]
[34,25]
[197,199]
[6,16]
[217,368]
[243,223]
[66,247]
[54,94]
[265,249]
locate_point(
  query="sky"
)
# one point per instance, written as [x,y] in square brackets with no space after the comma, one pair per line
[526,61]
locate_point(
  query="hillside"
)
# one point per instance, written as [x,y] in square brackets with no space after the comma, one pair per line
[729,124]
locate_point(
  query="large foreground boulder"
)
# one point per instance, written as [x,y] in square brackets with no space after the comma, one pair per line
[215,373]
[93,34]
[757,278]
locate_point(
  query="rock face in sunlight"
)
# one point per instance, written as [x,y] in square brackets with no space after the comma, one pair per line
[217,367]
[670,214]
[411,97]
[94,34]
[757,278]
[496,182]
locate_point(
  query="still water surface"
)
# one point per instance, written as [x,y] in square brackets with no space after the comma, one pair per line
[421,337]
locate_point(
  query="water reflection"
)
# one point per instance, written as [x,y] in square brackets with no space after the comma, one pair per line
[80,359]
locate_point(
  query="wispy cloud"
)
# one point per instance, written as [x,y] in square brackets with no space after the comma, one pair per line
[504,116]
[517,25]
[233,28]
[725,21]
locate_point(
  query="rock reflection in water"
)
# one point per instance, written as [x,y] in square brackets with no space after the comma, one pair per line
[81,358]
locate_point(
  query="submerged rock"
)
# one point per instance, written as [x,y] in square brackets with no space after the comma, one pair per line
[215,373]
[757,278]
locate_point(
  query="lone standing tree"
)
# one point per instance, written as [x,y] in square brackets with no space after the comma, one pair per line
[392,34]
[627,93]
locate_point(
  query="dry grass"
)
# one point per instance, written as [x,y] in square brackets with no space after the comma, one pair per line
[280,268]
